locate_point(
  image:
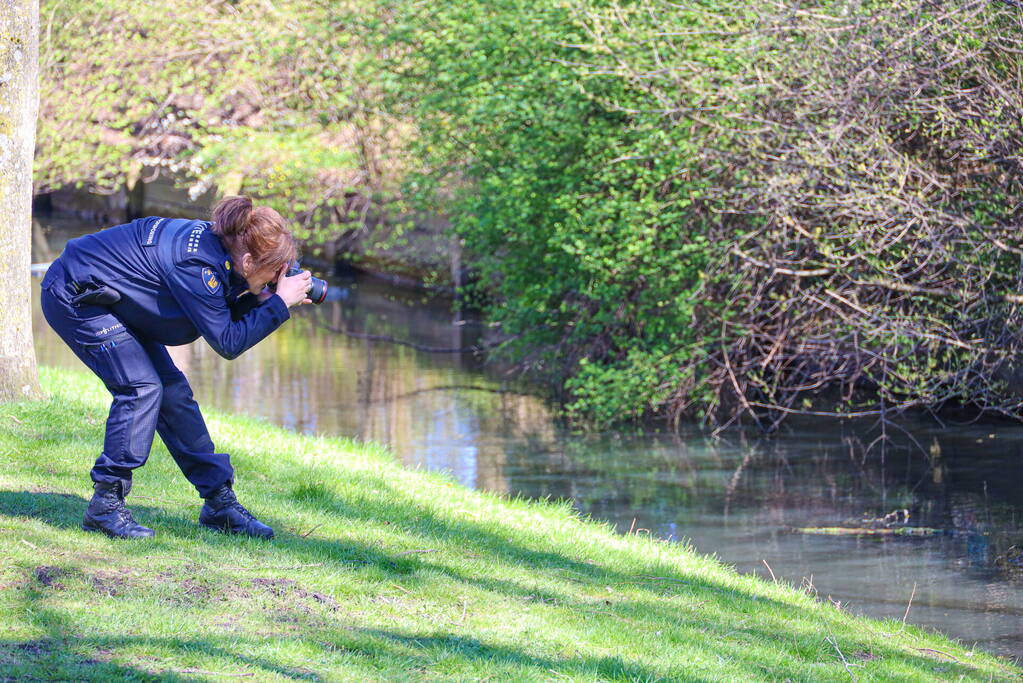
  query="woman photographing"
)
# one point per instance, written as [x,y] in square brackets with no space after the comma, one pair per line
[119,297]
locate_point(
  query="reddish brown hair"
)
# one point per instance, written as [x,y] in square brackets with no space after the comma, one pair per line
[260,231]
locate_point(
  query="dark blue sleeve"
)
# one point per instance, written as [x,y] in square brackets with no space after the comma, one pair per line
[241,306]
[199,289]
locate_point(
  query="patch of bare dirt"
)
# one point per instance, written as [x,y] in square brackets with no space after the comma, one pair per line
[195,590]
[34,647]
[20,653]
[111,583]
[48,576]
[234,591]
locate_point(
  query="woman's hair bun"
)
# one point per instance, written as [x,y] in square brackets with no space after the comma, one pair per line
[231,215]
[260,232]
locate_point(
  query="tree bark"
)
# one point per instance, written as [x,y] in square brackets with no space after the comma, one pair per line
[19,104]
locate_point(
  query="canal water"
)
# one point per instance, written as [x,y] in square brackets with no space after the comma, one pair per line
[743,497]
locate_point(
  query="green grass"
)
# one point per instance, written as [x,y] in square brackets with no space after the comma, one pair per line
[379,573]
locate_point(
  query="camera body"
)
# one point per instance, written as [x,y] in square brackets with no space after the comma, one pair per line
[318,291]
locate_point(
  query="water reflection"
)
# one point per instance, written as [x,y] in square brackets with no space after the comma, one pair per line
[740,496]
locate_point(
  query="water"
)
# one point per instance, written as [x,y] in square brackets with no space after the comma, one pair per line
[741,497]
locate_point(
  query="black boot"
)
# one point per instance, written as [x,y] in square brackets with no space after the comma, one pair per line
[223,512]
[107,513]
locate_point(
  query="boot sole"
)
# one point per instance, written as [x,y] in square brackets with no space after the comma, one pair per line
[101,530]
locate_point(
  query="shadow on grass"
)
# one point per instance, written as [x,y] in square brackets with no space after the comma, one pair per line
[51,660]
[416,656]
[718,631]
[649,612]
[65,510]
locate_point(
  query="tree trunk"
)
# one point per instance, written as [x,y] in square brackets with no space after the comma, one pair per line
[19,103]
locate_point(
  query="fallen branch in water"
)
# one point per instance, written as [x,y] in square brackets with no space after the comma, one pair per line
[854,531]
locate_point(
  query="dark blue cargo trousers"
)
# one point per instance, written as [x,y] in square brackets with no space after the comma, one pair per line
[150,393]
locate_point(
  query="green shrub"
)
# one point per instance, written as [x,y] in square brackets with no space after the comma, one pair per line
[703,209]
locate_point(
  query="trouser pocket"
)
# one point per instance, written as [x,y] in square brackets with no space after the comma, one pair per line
[120,361]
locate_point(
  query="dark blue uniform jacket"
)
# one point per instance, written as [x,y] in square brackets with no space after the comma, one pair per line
[176,283]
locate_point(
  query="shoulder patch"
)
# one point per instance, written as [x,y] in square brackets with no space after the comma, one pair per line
[210,281]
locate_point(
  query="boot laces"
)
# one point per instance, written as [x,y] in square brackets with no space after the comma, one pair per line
[122,511]
[229,499]
[241,509]
[125,515]
[115,504]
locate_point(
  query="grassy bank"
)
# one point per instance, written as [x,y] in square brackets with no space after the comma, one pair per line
[382,573]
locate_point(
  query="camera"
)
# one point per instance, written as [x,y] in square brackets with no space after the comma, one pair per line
[318,291]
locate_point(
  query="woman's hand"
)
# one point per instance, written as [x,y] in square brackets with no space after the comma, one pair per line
[293,289]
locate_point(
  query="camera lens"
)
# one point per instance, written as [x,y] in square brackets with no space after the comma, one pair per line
[318,292]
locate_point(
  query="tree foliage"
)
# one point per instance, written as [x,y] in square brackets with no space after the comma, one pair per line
[695,208]
[253,96]
[678,208]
